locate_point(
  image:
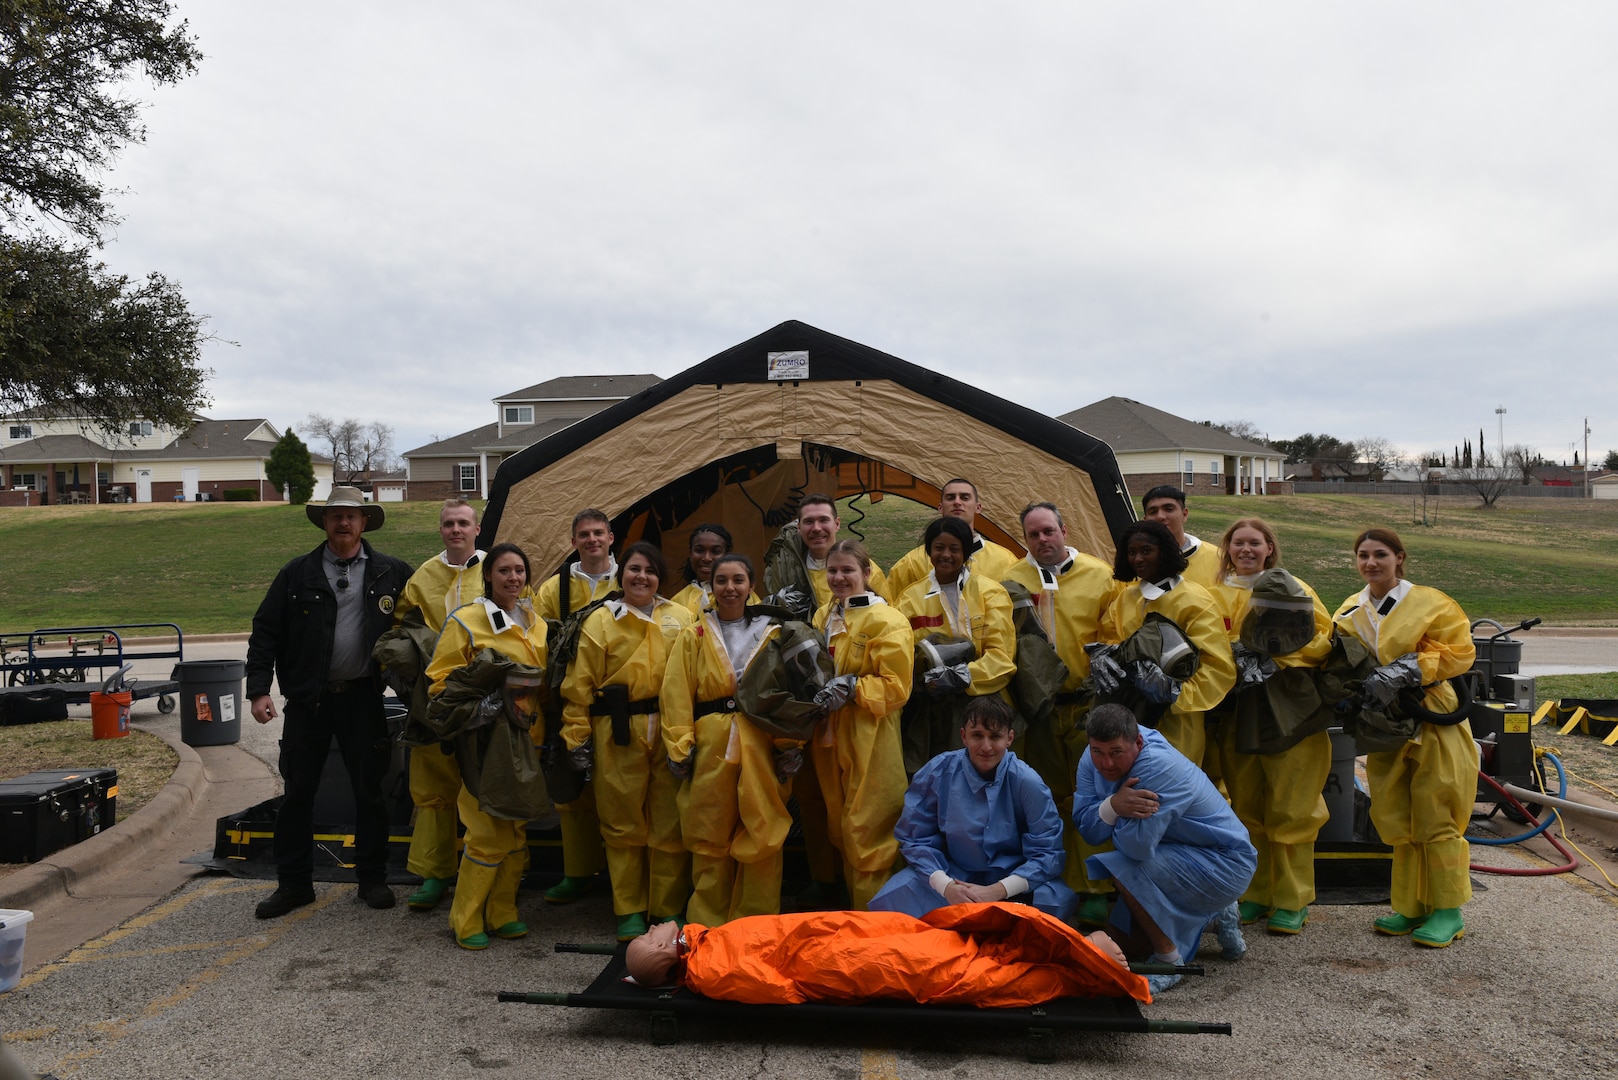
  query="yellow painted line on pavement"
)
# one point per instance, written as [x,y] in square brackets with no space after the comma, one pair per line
[878,1065]
[28,1034]
[117,1029]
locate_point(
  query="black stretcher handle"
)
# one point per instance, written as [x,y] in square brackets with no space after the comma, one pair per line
[1146,968]
[590,948]
[533,999]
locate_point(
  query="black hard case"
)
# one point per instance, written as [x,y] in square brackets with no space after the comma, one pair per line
[46,811]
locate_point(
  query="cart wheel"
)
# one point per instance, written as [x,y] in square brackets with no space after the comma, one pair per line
[165,703]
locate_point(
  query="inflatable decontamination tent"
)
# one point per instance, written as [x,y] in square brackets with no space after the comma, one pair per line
[742,436]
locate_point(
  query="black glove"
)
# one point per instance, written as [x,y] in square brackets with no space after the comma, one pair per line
[1382,686]
[1154,684]
[1108,674]
[837,693]
[681,770]
[943,681]
[788,762]
[583,760]
[1252,668]
[490,708]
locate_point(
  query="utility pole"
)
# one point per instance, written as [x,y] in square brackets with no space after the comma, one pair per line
[1586,457]
[1500,440]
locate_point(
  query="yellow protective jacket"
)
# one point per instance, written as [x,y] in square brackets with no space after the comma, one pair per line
[481,625]
[618,645]
[986,621]
[548,597]
[438,588]
[1423,621]
[1206,565]
[1071,603]
[733,804]
[873,641]
[1195,611]
[987,558]
[1233,597]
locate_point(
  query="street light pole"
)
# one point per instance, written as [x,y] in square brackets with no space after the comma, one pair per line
[1500,435]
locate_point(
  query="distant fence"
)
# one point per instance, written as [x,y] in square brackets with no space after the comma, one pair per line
[1413,487]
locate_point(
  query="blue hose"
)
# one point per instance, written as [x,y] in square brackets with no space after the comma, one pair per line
[1501,841]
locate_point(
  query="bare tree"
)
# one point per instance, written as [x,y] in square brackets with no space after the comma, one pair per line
[1381,455]
[1490,482]
[1244,429]
[358,449]
[1523,460]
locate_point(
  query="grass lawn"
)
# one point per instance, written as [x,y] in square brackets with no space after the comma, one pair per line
[144,762]
[206,565]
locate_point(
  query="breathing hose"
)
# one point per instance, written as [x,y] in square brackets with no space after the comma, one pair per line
[1512,790]
[1529,871]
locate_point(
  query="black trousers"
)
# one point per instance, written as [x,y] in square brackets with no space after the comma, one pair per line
[354,718]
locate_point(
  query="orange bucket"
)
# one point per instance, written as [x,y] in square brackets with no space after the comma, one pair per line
[109,713]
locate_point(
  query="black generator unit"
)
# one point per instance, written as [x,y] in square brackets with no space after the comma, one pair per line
[46,811]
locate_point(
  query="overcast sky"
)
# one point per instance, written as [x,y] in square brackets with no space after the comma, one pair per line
[1368,219]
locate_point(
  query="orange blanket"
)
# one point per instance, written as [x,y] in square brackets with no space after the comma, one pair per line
[988,955]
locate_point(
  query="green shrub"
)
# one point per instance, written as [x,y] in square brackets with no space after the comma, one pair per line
[240,495]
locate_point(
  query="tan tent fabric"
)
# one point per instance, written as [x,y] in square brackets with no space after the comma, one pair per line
[909,434]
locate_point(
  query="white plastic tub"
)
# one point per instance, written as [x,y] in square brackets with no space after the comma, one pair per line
[13,932]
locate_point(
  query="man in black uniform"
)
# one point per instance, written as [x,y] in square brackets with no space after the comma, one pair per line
[314,632]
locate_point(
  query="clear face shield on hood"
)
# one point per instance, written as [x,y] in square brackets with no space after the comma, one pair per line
[1280,616]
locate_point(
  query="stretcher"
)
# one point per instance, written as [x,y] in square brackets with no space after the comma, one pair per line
[1039,1023]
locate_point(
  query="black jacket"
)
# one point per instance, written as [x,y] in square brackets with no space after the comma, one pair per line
[294,626]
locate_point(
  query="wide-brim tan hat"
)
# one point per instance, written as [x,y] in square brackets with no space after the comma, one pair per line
[347,496]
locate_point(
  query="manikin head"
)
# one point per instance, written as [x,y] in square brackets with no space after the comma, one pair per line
[653,957]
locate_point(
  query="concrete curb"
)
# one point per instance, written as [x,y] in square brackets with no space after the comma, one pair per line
[105,852]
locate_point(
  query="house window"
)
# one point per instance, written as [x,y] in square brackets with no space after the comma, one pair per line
[138,428]
[1190,474]
[24,480]
[22,431]
[519,414]
[1213,471]
[103,478]
[469,476]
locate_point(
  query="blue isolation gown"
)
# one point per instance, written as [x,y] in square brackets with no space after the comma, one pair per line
[1184,863]
[978,831]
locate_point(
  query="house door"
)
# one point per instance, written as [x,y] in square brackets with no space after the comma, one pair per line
[188,482]
[143,485]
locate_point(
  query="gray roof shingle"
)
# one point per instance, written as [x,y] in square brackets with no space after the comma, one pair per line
[1127,425]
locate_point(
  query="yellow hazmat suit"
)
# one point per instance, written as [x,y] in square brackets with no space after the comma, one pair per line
[984,618]
[1191,608]
[1071,600]
[988,558]
[437,588]
[496,849]
[1205,565]
[1278,796]
[635,793]
[856,750]
[1422,793]
[733,811]
[582,853]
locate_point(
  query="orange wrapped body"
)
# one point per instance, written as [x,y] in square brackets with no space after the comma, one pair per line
[987,955]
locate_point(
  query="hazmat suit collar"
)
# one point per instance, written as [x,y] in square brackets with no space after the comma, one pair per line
[499,621]
[975,782]
[477,556]
[1390,601]
[960,582]
[576,569]
[620,608]
[1190,546]
[1240,581]
[1151,590]
[813,563]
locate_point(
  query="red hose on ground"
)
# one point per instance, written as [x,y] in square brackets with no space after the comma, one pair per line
[1531,871]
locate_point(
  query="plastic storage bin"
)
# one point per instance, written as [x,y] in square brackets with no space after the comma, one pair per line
[13,933]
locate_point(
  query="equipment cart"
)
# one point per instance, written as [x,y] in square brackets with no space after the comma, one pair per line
[62,657]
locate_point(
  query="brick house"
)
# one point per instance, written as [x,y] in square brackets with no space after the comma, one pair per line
[1154,447]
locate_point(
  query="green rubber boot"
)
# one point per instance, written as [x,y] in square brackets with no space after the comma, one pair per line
[477,941]
[1252,911]
[632,926]
[1442,927]
[1397,925]
[567,890]
[429,895]
[1093,909]
[512,930]
[1283,921]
